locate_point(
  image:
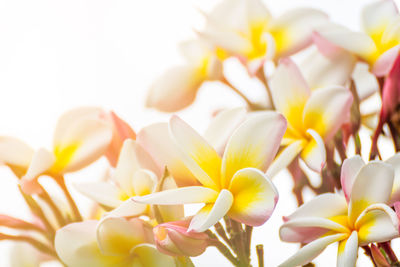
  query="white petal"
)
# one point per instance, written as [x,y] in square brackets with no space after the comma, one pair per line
[128,209]
[222,126]
[207,218]
[350,169]
[314,153]
[365,82]
[103,193]
[394,161]
[347,251]
[285,157]
[183,195]
[377,16]
[15,152]
[311,250]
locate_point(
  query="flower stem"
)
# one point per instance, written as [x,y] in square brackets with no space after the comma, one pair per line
[260,255]
[214,241]
[35,243]
[53,206]
[61,182]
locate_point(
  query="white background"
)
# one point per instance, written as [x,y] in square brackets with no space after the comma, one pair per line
[56,55]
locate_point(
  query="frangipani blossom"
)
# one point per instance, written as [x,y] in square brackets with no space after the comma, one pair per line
[246,29]
[356,219]
[15,154]
[234,185]
[313,116]
[136,175]
[115,242]
[380,43]
[177,87]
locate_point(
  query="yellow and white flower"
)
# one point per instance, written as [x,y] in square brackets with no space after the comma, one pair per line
[234,185]
[356,219]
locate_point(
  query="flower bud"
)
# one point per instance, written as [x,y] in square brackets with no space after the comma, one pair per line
[173,239]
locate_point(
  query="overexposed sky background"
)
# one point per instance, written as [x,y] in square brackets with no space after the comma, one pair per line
[56,55]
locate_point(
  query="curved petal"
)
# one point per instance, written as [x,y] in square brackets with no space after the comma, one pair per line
[15,152]
[183,195]
[212,213]
[394,161]
[325,206]
[157,141]
[41,162]
[307,229]
[82,135]
[366,83]
[170,213]
[32,256]
[76,245]
[202,160]
[285,157]
[367,189]
[385,62]
[290,93]
[292,30]
[254,197]
[253,145]
[347,251]
[175,89]
[356,42]
[144,182]
[350,168]
[148,255]
[102,192]
[311,250]
[128,209]
[326,110]
[314,153]
[377,16]
[222,126]
[117,236]
[377,223]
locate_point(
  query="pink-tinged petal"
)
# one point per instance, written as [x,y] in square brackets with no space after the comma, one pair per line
[378,15]
[182,195]
[175,89]
[103,193]
[222,126]
[128,209]
[148,255]
[348,251]
[350,169]
[254,197]
[385,62]
[157,141]
[391,90]
[121,131]
[198,156]
[212,213]
[82,136]
[326,110]
[367,189]
[307,229]
[366,83]
[76,245]
[42,160]
[396,206]
[174,239]
[118,236]
[253,145]
[292,30]
[377,223]
[314,153]
[356,42]
[327,205]
[15,152]
[311,250]
[290,93]
[321,71]
[324,46]
[394,161]
[285,157]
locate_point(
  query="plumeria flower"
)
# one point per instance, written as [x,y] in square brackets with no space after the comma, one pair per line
[15,154]
[82,135]
[173,239]
[178,86]
[234,185]
[136,174]
[246,29]
[113,242]
[380,43]
[313,116]
[356,219]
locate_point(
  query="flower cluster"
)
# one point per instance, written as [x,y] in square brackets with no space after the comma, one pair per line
[319,78]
